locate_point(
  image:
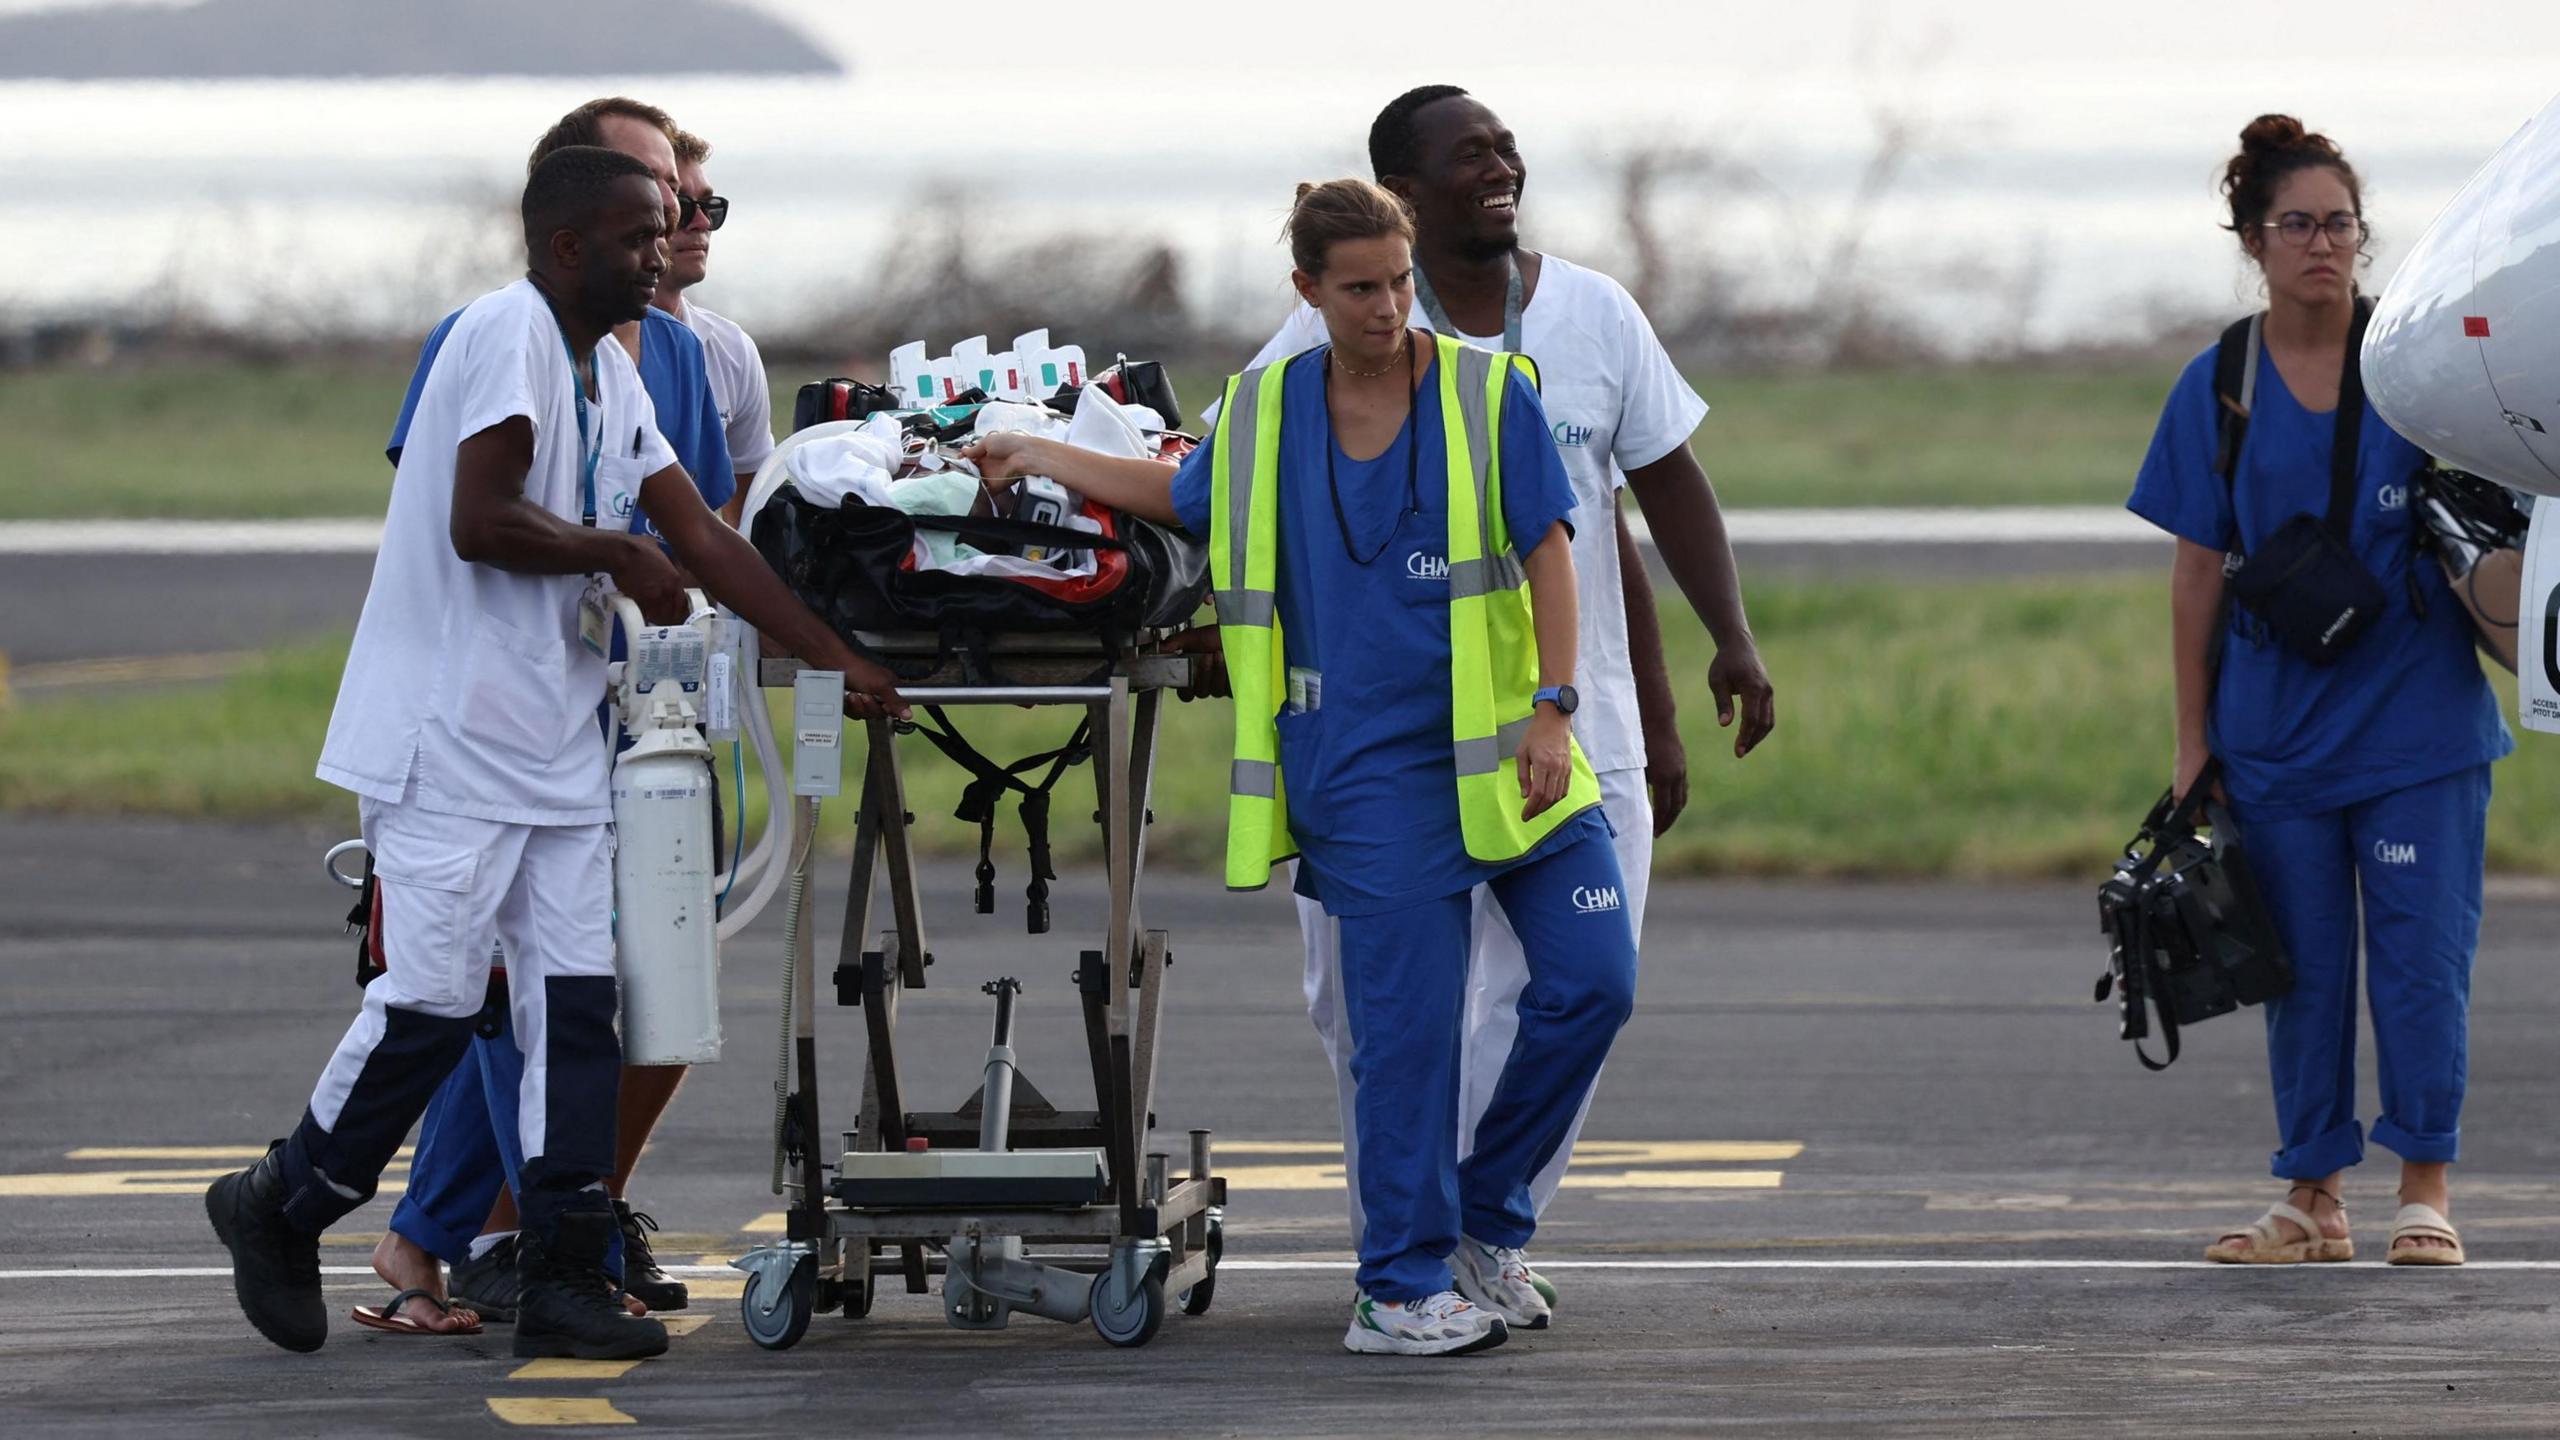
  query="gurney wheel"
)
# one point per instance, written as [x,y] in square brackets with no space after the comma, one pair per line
[781,1326]
[1128,1321]
[859,1287]
[1195,1301]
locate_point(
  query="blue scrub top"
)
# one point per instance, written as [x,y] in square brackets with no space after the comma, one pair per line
[2407,703]
[679,386]
[1373,796]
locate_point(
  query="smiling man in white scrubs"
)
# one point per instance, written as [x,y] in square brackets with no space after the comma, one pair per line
[1621,416]
[465,726]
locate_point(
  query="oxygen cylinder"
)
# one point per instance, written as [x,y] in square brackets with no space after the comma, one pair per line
[666,921]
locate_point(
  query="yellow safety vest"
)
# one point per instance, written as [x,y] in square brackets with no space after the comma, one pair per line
[1493,642]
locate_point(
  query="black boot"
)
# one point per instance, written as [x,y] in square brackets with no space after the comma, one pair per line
[491,1285]
[570,1307]
[640,1272]
[275,1268]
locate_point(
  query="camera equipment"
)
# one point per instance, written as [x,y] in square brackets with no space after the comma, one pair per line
[2189,937]
[2475,528]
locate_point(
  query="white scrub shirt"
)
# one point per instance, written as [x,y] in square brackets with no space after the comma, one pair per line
[468,690]
[738,384]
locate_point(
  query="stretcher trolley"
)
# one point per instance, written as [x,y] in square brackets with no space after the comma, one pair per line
[1019,1205]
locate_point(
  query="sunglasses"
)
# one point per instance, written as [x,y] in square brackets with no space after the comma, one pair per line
[714,206]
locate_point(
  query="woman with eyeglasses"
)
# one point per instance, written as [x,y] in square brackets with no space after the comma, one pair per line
[2360,778]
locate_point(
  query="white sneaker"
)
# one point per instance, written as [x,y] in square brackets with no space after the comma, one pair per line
[1499,1279]
[1442,1324]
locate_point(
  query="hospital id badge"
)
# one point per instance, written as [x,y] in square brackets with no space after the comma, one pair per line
[595,623]
[1306,690]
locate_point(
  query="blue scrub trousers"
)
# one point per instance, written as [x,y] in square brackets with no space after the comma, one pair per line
[468,1146]
[1404,983]
[2416,855]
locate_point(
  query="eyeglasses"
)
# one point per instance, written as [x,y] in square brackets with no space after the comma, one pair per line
[714,206]
[2342,228]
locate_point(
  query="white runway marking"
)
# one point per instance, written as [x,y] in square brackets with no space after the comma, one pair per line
[1336,1267]
[1951,525]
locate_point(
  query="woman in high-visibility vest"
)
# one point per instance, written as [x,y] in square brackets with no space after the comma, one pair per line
[1387,524]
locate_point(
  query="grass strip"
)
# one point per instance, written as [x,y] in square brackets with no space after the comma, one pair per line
[1989,730]
[205,441]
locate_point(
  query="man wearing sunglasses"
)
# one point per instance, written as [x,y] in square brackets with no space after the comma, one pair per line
[737,368]
[460,1207]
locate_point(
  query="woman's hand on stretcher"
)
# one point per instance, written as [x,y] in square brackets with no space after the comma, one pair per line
[1546,761]
[1140,487]
[1208,662]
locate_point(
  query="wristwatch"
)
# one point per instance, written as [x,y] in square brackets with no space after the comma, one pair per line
[1560,696]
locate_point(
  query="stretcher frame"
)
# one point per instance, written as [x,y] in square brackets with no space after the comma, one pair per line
[1159,1236]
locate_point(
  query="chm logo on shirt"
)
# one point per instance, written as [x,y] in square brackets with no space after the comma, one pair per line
[2393,497]
[622,506]
[1572,436]
[1591,898]
[2395,852]
[1423,565]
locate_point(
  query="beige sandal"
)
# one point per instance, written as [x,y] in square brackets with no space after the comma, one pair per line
[2424,1222]
[2267,1247]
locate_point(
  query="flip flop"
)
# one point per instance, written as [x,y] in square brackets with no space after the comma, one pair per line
[390,1320]
[2424,1222]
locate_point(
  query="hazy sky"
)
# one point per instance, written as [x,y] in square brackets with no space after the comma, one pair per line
[2086,133]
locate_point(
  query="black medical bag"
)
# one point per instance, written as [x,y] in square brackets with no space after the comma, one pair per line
[855,566]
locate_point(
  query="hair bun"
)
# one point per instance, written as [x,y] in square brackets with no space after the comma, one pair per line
[2270,133]
[1305,188]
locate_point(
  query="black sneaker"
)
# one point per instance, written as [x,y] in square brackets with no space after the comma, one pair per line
[641,1276]
[570,1306]
[490,1284]
[275,1269]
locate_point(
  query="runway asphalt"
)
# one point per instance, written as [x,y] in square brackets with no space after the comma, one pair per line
[1867,1162]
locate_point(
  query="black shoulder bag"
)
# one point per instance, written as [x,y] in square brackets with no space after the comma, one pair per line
[2304,584]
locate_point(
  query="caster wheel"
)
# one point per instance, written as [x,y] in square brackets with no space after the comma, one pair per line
[859,1292]
[1195,1301]
[1128,1320]
[777,1322]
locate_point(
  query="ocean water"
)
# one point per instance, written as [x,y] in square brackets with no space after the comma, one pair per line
[2039,204]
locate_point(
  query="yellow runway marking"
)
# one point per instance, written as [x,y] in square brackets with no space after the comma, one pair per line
[1589,1152]
[717,1289]
[95,1184]
[529,1410]
[1676,1180]
[685,1324]
[573,1369]
[772,1222]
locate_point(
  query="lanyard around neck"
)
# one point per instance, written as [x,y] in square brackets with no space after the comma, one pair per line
[1405,435]
[589,457]
[1511,300]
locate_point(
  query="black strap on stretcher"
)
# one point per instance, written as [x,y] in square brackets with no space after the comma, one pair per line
[987,786]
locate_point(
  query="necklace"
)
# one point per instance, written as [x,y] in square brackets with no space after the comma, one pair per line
[1405,436]
[1404,354]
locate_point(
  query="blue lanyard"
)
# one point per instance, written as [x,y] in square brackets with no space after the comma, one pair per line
[590,458]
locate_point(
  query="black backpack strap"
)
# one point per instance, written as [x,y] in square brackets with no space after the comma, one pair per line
[2235,389]
[2348,431]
